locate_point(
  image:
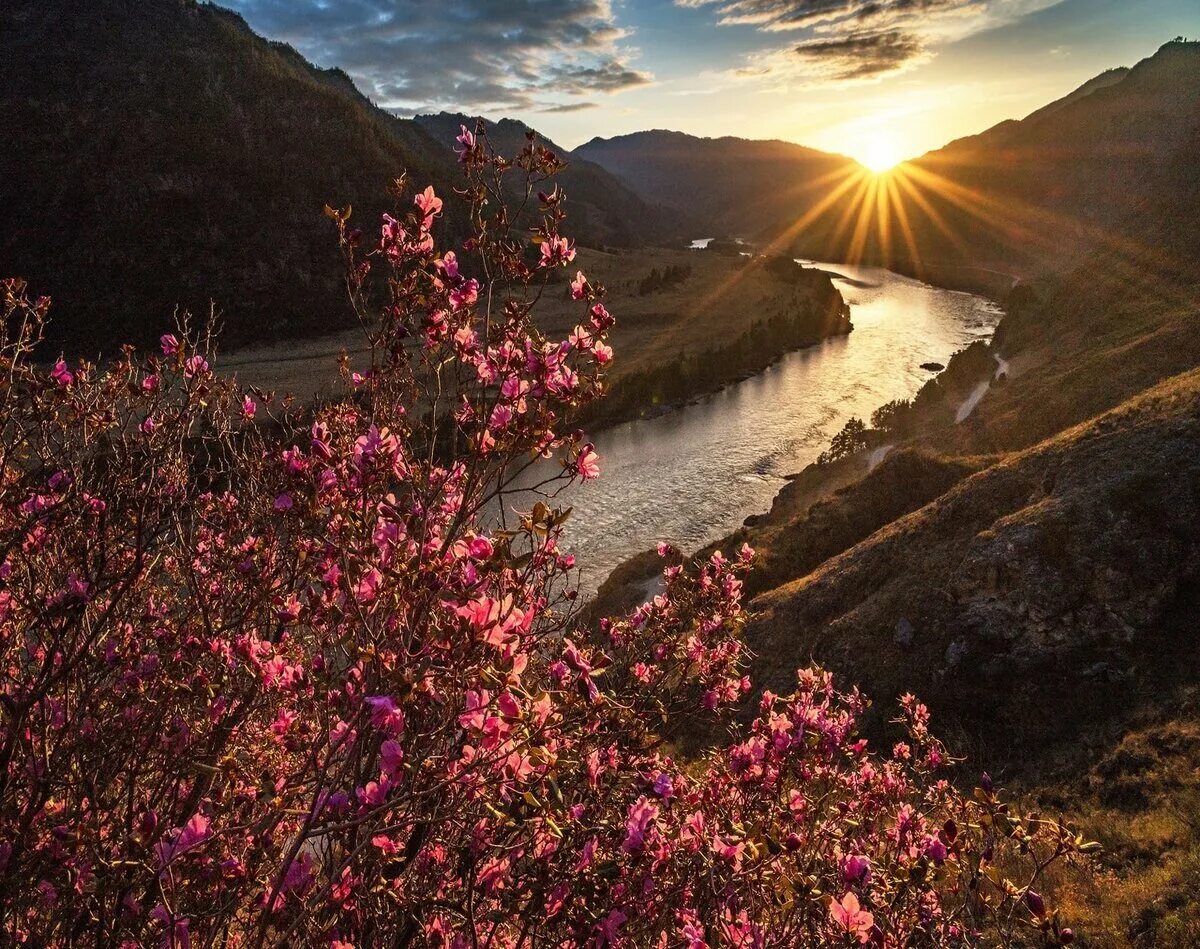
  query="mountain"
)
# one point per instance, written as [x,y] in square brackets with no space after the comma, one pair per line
[602,209]
[1023,195]
[160,153]
[726,186]
[1071,175]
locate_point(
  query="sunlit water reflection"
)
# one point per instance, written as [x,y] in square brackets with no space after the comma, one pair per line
[693,475]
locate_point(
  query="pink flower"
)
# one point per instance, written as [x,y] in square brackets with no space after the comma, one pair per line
[475,714]
[195,366]
[466,144]
[856,868]
[283,502]
[579,286]
[391,757]
[601,318]
[934,849]
[729,852]
[850,918]
[249,407]
[61,374]
[481,549]
[385,714]
[429,204]
[170,345]
[368,586]
[641,815]
[466,295]
[183,839]
[587,463]
[449,265]
[497,620]
[557,251]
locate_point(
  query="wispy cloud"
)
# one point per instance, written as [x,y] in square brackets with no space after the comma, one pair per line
[476,55]
[854,40]
[569,107]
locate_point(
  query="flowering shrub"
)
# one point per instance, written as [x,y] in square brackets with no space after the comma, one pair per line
[275,674]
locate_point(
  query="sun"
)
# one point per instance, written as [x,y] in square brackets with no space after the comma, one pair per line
[880,154]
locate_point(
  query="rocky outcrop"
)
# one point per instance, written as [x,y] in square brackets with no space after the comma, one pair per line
[1031,595]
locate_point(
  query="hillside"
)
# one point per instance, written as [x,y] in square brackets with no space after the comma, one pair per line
[1068,177]
[191,159]
[159,152]
[603,210]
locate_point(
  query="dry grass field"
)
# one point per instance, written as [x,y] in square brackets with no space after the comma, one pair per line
[715,304]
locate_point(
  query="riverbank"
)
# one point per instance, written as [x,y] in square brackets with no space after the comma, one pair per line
[688,324]
[692,475]
[797,308]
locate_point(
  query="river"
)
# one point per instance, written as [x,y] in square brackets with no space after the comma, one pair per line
[693,475]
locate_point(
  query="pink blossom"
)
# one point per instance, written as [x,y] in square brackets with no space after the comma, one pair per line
[429,204]
[557,251]
[179,841]
[466,143]
[850,918]
[856,868]
[579,286]
[642,815]
[465,295]
[448,264]
[195,365]
[61,374]
[587,463]
[386,715]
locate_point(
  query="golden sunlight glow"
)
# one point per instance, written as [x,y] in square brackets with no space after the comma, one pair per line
[879,154]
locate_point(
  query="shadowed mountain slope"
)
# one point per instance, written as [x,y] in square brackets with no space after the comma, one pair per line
[603,210]
[159,152]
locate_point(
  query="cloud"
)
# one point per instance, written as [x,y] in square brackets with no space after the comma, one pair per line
[473,55]
[854,40]
[863,55]
[569,107]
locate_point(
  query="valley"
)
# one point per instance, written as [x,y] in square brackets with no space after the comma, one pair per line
[953,406]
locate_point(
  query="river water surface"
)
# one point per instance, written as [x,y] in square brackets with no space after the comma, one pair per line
[692,476]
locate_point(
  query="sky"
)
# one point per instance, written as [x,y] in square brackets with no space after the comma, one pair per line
[879,80]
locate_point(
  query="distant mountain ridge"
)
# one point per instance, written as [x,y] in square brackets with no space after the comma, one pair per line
[602,208]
